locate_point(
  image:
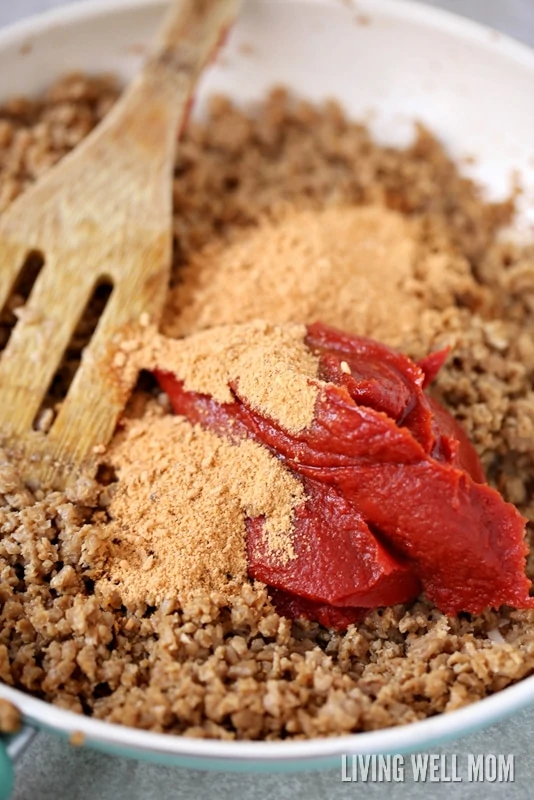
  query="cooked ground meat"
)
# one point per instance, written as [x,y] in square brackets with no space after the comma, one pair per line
[238,670]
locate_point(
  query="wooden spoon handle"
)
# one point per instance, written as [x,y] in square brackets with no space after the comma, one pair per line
[155,106]
[190,38]
[193,28]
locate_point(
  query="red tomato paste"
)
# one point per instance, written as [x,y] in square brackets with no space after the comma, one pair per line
[397,500]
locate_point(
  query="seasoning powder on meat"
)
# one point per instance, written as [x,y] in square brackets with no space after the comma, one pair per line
[363,270]
[179,508]
[275,370]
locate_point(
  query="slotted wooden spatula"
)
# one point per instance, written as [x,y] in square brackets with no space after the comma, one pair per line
[103,214]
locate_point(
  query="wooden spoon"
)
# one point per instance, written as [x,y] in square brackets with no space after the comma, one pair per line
[104,213]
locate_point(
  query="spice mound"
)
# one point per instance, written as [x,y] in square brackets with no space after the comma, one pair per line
[183,494]
[395,499]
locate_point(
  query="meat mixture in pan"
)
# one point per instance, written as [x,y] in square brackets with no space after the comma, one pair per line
[132,596]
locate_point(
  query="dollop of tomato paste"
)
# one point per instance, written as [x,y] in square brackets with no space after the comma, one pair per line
[396,497]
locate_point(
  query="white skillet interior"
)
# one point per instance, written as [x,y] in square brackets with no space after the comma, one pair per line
[387,61]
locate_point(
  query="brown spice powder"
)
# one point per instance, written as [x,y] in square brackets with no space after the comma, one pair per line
[275,371]
[364,270]
[178,511]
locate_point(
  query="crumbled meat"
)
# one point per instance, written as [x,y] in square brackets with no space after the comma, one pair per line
[238,670]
